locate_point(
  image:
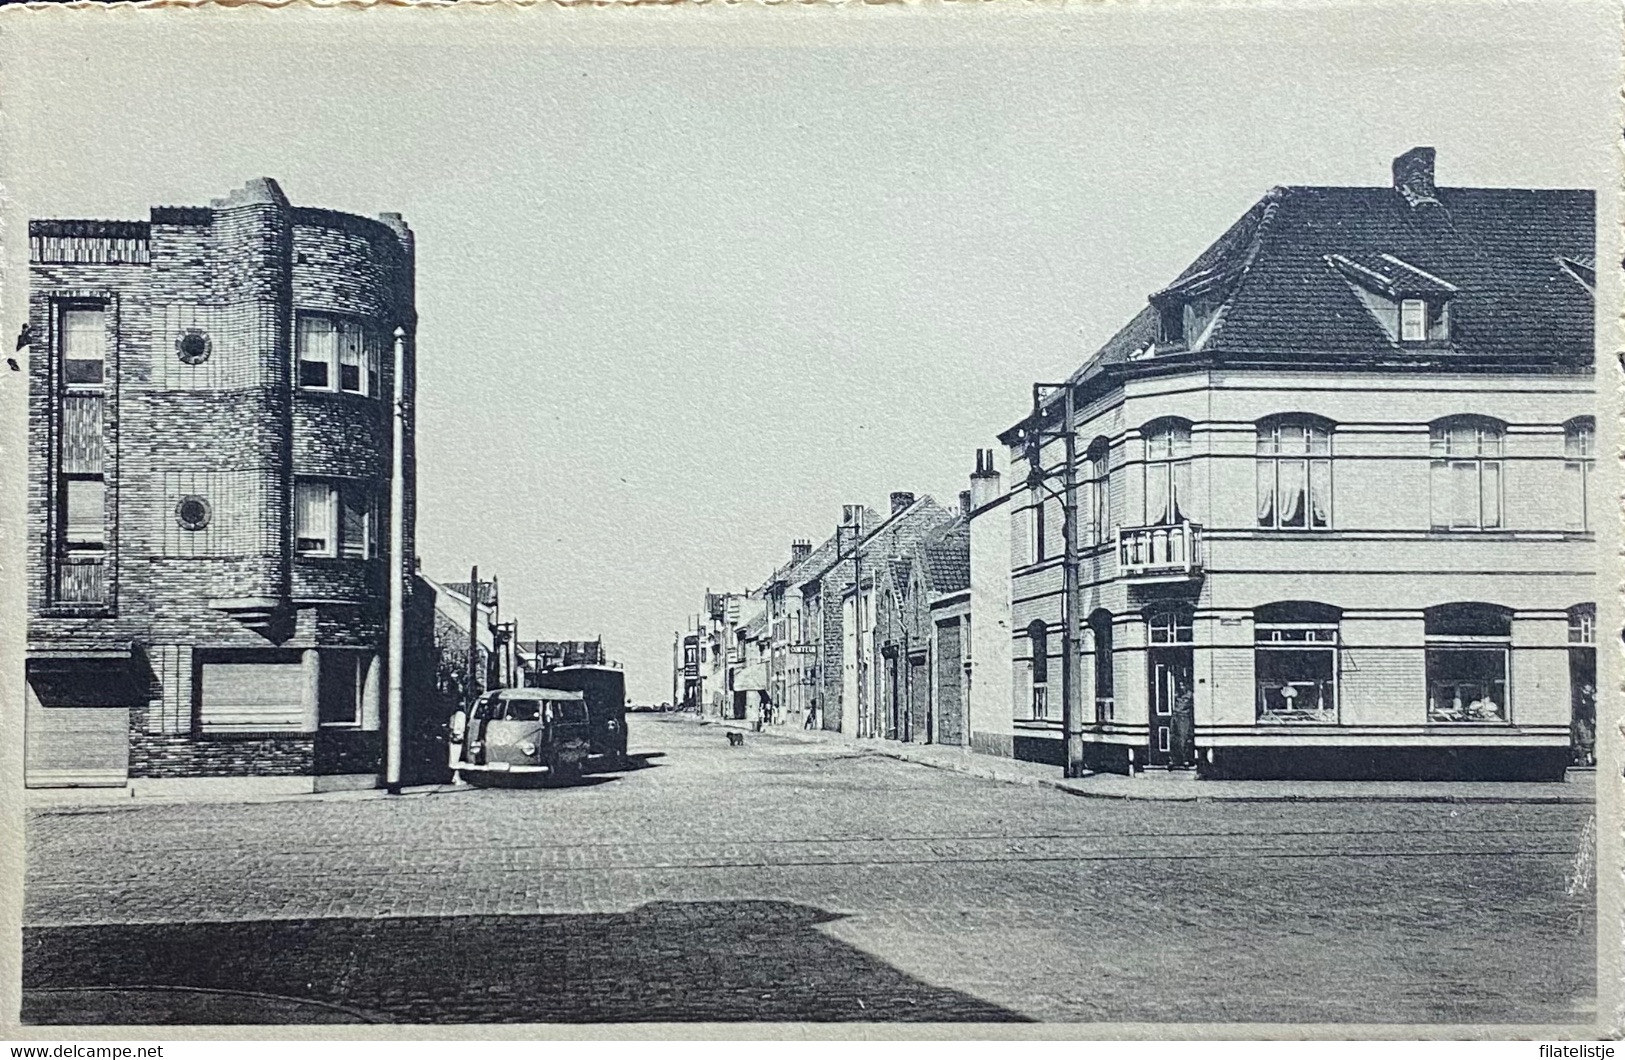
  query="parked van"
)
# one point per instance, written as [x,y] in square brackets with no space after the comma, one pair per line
[605,690]
[542,731]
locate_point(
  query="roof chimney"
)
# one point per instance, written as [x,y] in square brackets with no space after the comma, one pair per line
[800,549]
[852,515]
[964,502]
[1413,177]
[900,500]
[985,485]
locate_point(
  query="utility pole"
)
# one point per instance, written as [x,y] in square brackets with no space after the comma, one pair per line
[860,715]
[1071,711]
[473,637]
[1037,476]
[397,571]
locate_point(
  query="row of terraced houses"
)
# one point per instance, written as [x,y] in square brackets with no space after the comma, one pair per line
[1336,506]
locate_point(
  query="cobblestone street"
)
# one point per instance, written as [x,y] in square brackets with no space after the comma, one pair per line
[792,881]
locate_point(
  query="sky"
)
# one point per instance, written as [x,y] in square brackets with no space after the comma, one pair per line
[689,279]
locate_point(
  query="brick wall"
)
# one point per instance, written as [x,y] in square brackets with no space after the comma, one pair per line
[230,428]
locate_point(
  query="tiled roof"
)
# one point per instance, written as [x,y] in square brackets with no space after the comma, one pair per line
[1288,270]
[488,590]
[946,555]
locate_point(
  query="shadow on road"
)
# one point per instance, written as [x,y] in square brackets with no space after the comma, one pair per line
[664,961]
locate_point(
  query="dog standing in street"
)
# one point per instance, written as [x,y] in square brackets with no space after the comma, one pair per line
[736,739]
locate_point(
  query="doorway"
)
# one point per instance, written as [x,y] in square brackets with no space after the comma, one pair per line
[1173,709]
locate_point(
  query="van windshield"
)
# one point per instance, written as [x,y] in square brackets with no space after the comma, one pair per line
[523,710]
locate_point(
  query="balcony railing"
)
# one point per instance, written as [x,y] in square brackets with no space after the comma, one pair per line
[1160,553]
[79,579]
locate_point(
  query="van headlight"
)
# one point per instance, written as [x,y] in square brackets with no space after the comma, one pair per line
[527,748]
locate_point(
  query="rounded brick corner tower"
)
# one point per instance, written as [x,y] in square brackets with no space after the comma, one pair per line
[245,432]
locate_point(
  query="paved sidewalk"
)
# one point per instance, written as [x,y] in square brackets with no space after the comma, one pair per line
[1578,789]
[68,800]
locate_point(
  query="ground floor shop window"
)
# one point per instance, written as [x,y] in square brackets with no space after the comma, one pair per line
[1468,652]
[1295,663]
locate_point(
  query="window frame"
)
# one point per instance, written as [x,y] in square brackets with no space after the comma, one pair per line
[1098,490]
[1172,464]
[1446,464]
[1582,626]
[360,660]
[1105,665]
[65,309]
[1472,635]
[65,540]
[1580,457]
[1319,637]
[1038,667]
[339,492]
[1271,457]
[370,353]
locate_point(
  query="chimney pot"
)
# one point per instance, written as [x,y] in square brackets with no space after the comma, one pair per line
[964,502]
[985,484]
[900,500]
[1413,177]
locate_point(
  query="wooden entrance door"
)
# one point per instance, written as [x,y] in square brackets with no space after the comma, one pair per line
[1173,714]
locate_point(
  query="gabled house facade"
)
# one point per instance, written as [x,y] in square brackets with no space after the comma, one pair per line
[1338,505]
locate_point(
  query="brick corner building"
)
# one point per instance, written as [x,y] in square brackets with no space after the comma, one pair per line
[209,465]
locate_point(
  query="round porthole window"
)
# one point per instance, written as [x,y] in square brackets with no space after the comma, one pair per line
[193,347]
[193,513]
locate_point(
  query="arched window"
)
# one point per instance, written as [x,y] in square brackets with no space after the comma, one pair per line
[1097,463]
[1579,460]
[1100,629]
[1038,639]
[1170,625]
[1468,651]
[1466,453]
[1295,662]
[1294,473]
[1167,472]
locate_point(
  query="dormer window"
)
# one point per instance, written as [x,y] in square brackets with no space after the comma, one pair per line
[1186,311]
[1424,321]
[1411,304]
[1413,320]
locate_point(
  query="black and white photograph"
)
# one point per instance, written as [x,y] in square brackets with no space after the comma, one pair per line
[812,520]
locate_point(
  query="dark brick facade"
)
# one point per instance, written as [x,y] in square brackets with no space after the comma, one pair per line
[200,399]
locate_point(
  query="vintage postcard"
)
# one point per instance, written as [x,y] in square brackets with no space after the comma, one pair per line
[817,519]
